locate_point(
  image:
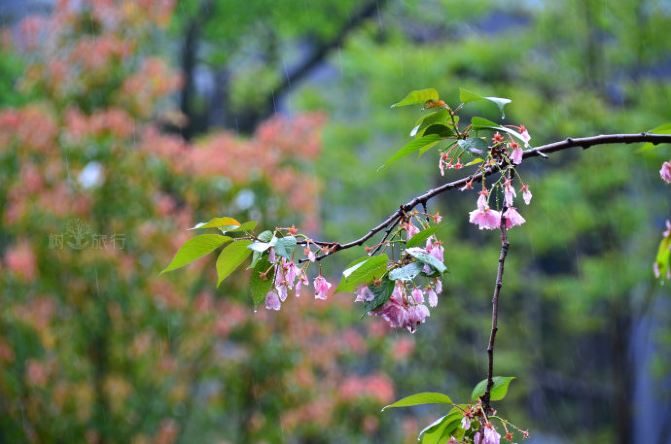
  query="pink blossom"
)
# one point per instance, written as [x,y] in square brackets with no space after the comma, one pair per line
[465,423]
[291,272]
[322,287]
[271,256]
[509,192]
[665,172]
[302,280]
[438,285]
[273,301]
[482,200]
[491,436]
[437,218]
[526,137]
[513,218]
[485,218]
[309,254]
[410,229]
[282,292]
[432,296]
[517,154]
[417,315]
[435,248]
[667,232]
[363,294]
[526,193]
[418,296]
[394,313]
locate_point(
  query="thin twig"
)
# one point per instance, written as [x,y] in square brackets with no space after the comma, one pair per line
[505,245]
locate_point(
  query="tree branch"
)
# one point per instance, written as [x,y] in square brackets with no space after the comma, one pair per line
[505,245]
[541,151]
[325,48]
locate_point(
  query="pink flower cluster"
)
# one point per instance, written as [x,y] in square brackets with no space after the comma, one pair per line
[488,219]
[487,435]
[289,276]
[406,307]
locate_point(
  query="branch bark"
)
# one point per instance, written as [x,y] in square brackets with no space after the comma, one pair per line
[505,245]
[541,151]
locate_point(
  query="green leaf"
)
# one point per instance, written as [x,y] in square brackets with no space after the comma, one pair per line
[265,236]
[405,273]
[259,246]
[661,129]
[440,430]
[270,241]
[433,433]
[259,288]
[420,238]
[381,293]
[363,273]
[420,399]
[231,258]
[482,123]
[474,145]
[420,96]
[218,222]
[468,96]
[411,147]
[246,226]
[285,246]
[440,117]
[438,129]
[421,255]
[499,389]
[195,248]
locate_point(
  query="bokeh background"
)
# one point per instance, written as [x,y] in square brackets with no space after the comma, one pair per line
[124,122]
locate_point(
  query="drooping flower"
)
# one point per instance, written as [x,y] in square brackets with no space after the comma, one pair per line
[513,218]
[309,254]
[509,192]
[291,272]
[485,218]
[438,285]
[418,296]
[273,301]
[435,248]
[322,287]
[526,193]
[394,312]
[490,435]
[363,294]
[465,423]
[432,296]
[410,229]
[665,172]
[526,137]
[516,154]
[302,280]
[417,315]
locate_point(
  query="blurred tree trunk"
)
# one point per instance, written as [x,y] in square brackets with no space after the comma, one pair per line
[189,61]
[623,380]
